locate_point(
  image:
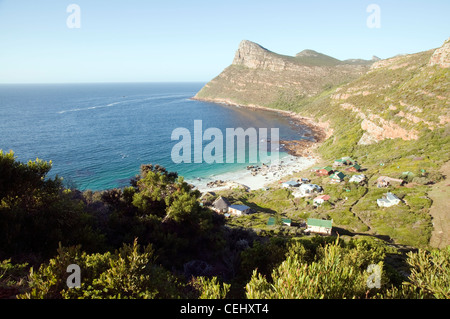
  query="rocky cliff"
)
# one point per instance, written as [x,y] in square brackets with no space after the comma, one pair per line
[392,98]
[441,56]
[258,76]
[400,96]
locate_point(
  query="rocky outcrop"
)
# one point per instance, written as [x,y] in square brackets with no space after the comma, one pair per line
[261,77]
[254,56]
[441,56]
[384,130]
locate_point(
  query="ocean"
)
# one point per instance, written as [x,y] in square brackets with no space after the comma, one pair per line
[98,135]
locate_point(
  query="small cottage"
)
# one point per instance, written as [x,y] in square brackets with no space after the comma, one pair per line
[354,168]
[308,190]
[357,178]
[238,210]
[385,181]
[290,184]
[221,204]
[388,200]
[324,171]
[284,221]
[337,177]
[344,161]
[319,200]
[319,226]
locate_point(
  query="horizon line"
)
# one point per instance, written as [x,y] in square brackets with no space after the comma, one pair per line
[110,82]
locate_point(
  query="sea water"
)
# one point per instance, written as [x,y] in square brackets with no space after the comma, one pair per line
[98,135]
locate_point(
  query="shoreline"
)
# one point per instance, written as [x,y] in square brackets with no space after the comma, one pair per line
[301,156]
[321,130]
[249,180]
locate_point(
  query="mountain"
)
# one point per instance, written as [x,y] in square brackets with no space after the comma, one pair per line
[401,96]
[258,76]
[392,116]
[392,98]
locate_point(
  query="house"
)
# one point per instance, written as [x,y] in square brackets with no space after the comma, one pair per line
[284,221]
[388,200]
[337,177]
[308,190]
[385,181]
[238,210]
[324,171]
[319,226]
[354,168]
[319,200]
[344,161]
[357,178]
[221,205]
[290,184]
[338,162]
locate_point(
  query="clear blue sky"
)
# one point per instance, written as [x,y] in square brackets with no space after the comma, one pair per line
[138,41]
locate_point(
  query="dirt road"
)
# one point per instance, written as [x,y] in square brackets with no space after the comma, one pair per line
[440,210]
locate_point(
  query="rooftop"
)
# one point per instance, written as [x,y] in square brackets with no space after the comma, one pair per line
[239,207]
[320,223]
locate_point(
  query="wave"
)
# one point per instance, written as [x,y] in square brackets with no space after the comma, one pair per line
[125,101]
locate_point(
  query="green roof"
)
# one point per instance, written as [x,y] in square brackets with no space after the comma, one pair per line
[320,223]
[271,221]
[339,175]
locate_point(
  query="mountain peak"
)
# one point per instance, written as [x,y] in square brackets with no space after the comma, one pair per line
[308,53]
[250,54]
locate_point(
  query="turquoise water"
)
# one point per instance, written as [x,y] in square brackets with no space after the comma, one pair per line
[98,135]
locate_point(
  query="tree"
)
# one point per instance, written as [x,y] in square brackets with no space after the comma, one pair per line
[36,213]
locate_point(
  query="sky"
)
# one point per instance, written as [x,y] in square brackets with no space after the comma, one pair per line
[194,40]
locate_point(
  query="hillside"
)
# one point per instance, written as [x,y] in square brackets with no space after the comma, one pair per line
[159,238]
[259,76]
[393,119]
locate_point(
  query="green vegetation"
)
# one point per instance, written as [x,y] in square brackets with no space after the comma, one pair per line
[157,239]
[141,243]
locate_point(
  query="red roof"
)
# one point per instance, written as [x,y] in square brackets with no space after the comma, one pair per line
[324,197]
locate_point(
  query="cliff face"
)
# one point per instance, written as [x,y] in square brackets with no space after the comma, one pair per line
[258,76]
[400,96]
[441,56]
[393,98]
[254,56]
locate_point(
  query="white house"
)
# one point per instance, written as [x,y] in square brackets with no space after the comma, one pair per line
[319,226]
[388,200]
[308,190]
[290,184]
[357,178]
[238,210]
[319,200]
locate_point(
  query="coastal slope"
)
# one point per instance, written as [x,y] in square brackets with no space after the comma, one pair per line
[260,77]
[392,116]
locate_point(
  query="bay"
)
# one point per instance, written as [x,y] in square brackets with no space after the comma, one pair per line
[97,135]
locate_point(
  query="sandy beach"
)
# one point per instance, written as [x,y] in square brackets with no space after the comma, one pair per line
[301,156]
[261,175]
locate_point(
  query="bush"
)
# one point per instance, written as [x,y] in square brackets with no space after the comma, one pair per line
[129,273]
